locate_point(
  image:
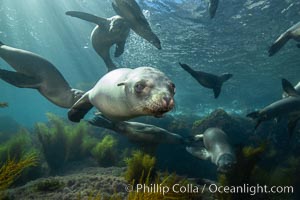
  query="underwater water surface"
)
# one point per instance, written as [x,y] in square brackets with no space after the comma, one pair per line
[235,41]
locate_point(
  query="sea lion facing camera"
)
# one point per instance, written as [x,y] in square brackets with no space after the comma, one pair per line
[216,148]
[126,93]
[108,32]
[33,71]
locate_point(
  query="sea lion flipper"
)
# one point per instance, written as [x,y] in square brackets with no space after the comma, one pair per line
[19,79]
[289,88]
[87,17]
[279,43]
[199,152]
[120,48]
[217,91]
[80,108]
[101,121]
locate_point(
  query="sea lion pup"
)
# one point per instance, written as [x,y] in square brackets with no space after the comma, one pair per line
[127,93]
[131,11]
[107,32]
[33,71]
[208,80]
[212,7]
[3,104]
[289,106]
[291,33]
[140,132]
[215,147]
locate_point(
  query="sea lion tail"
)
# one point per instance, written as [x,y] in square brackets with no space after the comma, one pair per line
[289,88]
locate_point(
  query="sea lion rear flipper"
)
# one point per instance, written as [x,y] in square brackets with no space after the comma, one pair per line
[279,43]
[199,152]
[120,46]
[217,91]
[80,108]
[19,79]
[87,17]
[289,88]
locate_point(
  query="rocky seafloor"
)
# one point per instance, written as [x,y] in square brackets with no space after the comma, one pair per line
[86,183]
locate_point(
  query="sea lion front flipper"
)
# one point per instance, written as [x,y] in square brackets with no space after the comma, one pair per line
[289,88]
[87,17]
[217,91]
[80,108]
[120,46]
[199,152]
[19,79]
[279,43]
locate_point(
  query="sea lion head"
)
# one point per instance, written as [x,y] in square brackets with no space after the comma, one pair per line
[149,92]
[118,24]
[226,163]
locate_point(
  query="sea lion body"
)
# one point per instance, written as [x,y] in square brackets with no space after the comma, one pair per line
[216,147]
[139,132]
[292,33]
[208,80]
[288,106]
[130,10]
[33,71]
[108,32]
[127,93]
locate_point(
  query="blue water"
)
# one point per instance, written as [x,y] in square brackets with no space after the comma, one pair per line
[235,41]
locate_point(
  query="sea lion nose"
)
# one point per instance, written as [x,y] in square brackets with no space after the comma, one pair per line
[168,102]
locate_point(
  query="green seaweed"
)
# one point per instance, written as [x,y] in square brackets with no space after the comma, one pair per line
[105,152]
[62,141]
[13,168]
[16,147]
[139,164]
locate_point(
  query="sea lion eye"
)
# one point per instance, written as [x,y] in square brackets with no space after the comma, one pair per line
[139,87]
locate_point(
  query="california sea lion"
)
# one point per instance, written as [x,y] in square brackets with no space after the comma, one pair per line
[289,106]
[140,132]
[291,33]
[126,93]
[208,80]
[212,7]
[131,11]
[216,148]
[33,71]
[108,32]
